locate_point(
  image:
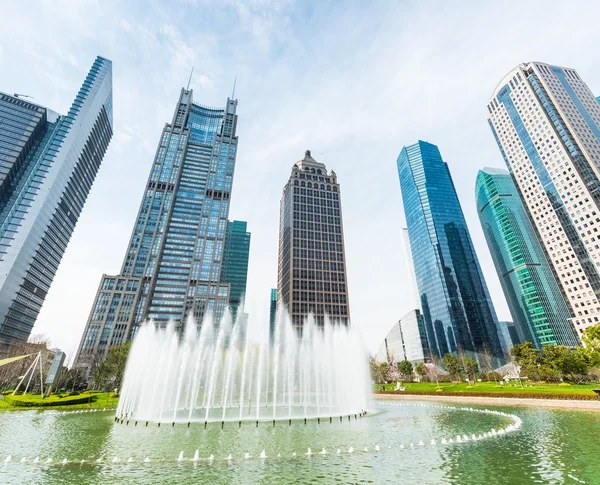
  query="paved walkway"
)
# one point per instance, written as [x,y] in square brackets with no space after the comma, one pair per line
[569,404]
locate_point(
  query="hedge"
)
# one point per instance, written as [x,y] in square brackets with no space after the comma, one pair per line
[526,395]
[49,402]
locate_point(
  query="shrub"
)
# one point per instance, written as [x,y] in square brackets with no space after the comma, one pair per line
[48,402]
[73,393]
[525,395]
[564,384]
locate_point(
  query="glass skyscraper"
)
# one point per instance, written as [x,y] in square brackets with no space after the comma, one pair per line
[48,163]
[456,306]
[172,267]
[539,310]
[546,122]
[312,265]
[272,315]
[235,263]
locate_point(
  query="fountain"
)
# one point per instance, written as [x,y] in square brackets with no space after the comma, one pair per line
[214,374]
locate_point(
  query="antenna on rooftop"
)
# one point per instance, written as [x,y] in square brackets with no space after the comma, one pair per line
[233,92]
[190,79]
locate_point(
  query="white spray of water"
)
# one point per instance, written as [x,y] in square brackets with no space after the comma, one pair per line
[215,374]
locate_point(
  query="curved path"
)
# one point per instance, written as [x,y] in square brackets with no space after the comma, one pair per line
[568,404]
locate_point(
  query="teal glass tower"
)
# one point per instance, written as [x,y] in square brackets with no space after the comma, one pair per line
[48,163]
[458,311]
[539,310]
[234,270]
[173,264]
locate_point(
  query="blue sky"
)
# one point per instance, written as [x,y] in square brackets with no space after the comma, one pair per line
[351,81]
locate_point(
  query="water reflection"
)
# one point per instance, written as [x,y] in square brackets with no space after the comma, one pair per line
[551,447]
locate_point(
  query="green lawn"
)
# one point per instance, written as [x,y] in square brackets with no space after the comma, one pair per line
[492,387]
[81,401]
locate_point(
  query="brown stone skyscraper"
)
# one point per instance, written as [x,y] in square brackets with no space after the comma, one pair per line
[312,264]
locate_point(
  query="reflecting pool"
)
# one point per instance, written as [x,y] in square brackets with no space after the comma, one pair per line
[403,442]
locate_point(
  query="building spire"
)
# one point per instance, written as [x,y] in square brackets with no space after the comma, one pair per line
[190,79]
[233,92]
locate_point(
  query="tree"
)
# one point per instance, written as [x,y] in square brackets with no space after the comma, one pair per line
[469,366]
[71,379]
[393,372]
[110,372]
[406,369]
[452,366]
[525,354]
[571,364]
[421,370]
[486,361]
[591,339]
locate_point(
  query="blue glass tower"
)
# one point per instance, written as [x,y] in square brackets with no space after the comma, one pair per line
[458,311]
[48,163]
[539,310]
[172,267]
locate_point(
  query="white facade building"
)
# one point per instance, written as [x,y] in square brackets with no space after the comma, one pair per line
[406,340]
[547,125]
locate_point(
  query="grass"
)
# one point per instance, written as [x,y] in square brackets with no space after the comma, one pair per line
[34,401]
[493,387]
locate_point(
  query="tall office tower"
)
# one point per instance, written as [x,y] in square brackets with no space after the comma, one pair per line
[411,268]
[457,308]
[312,267]
[546,122]
[509,334]
[536,303]
[48,165]
[172,267]
[406,340]
[598,99]
[272,315]
[234,270]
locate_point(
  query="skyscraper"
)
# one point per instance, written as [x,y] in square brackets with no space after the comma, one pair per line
[172,267]
[546,122]
[509,335]
[411,268]
[539,310]
[48,165]
[234,271]
[406,340]
[272,315]
[458,311]
[312,266]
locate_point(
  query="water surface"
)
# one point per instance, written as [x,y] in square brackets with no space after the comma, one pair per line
[552,447]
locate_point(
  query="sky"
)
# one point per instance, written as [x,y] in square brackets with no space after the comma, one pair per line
[352,81]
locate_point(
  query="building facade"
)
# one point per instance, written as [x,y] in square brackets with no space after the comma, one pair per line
[457,309]
[406,340]
[411,268]
[48,165]
[312,264]
[272,315]
[539,310]
[172,266]
[509,335]
[546,122]
[234,270]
